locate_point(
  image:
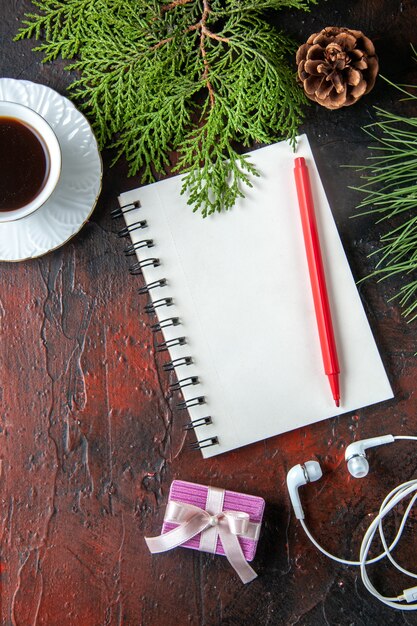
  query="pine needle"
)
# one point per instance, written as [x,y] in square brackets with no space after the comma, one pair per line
[390,193]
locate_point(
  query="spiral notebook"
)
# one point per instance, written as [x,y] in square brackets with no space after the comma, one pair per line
[230,301]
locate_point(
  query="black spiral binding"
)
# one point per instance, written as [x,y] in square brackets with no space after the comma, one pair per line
[171,365]
[156,283]
[204,443]
[137,267]
[124,232]
[186,404]
[150,308]
[169,343]
[170,321]
[184,382]
[201,421]
[121,210]
[145,243]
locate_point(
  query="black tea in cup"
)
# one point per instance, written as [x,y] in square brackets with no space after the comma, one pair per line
[24,164]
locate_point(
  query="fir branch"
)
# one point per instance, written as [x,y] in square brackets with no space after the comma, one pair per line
[191,77]
[63,24]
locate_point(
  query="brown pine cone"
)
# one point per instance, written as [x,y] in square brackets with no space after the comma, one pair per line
[337,66]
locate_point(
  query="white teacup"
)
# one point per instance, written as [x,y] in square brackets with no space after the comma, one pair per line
[49,141]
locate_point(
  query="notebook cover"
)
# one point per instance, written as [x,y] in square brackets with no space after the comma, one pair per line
[240,286]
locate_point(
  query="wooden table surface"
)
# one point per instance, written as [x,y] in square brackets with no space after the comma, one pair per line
[90,440]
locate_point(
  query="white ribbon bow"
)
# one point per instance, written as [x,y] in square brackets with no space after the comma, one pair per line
[193,520]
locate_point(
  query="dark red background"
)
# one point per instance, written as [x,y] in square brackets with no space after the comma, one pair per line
[90,442]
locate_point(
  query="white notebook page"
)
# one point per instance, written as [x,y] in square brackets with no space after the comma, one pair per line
[240,285]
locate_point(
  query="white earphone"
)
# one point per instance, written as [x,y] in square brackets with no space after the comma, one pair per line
[358,467]
[355,456]
[298,476]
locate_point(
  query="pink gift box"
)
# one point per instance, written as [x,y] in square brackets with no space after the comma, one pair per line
[195,494]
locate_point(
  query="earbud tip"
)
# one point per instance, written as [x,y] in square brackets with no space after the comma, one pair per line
[313,470]
[358,466]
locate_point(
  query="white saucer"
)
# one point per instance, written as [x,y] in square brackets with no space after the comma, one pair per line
[76,194]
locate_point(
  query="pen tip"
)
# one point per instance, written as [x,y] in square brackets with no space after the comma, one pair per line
[337,402]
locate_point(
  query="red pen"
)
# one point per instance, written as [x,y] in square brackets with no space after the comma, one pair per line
[317,277]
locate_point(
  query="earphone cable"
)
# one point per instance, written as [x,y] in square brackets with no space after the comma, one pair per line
[405,437]
[393,498]
[387,549]
[358,467]
[346,561]
[322,550]
[400,531]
